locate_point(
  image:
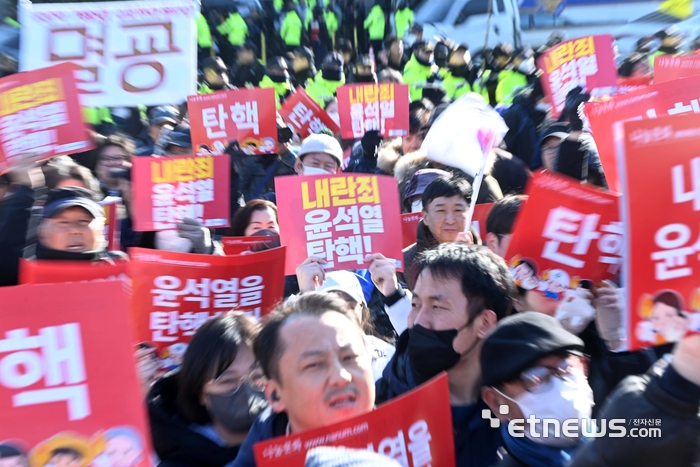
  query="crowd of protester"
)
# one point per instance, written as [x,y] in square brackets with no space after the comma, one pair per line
[345,341]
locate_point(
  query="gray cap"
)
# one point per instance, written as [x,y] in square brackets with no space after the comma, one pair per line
[164,114]
[324,144]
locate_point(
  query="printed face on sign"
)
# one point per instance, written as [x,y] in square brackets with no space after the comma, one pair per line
[323,377]
[665,321]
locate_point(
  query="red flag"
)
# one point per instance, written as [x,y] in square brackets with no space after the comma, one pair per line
[587,61]
[415,429]
[661,209]
[340,218]
[305,116]
[68,374]
[40,113]
[175,293]
[565,233]
[165,190]
[366,107]
[245,117]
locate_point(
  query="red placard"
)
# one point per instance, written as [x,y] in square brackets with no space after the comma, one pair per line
[40,114]
[670,67]
[564,234]
[410,221]
[112,229]
[165,190]
[658,100]
[340,218]
[58,389]
[661,228]
[587,61]
[247,118]
[238,245]
[47,272]
[175,293]
[305,116]
[365,107]
[415,429]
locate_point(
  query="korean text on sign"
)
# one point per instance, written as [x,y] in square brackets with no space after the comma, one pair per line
[169,189]
[175,293]
[52,365]
[372,107]
[587,62]
[129,53]
[244,117]
[345,218]
[40,113]
[663,232]
[305,116]
[413,429]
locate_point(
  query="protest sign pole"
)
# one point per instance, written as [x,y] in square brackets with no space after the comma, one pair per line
[486,140]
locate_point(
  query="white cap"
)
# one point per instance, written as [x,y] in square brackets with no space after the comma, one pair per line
[344,281]
[322,143]
[560,277]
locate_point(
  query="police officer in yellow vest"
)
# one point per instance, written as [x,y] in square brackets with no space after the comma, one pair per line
[519,74]
[374,24]
[332,22]
[277,77]
[292,27]
[458,72]
[420,69]
[214,76]
[204,40]
[328,80]
[487,83]
[403,19]
[235,28]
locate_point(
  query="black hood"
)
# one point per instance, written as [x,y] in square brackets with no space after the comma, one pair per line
[173,439]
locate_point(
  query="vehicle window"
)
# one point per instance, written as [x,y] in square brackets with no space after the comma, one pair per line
[474,7]
[501,6]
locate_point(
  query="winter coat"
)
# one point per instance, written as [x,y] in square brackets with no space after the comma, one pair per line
[424,241]
[521,139]
[292,29]
[415,75]
[375,24]
[322,89]
[174,440]
[254,177]
[268,425]
[282,90]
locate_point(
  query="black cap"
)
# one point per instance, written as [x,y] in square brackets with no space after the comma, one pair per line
[304,52]
[215,63]
[364,61]
[10,450]
[521,340]
[164,114]
[333,61]
[416,185]
[250,45]
[60,199]
[276,62]
[179,136]
[416,28]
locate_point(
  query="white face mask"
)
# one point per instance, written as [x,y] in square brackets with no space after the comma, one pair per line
[564,400]
[417,206]
[315,171]
[527,66]
[170,240]
[335,116]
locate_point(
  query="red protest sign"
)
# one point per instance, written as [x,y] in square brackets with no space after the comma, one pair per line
[305,116]
[175,293]
[670,67]
[247,118]
[40,113]
[340,218]
[238,245]
[365,107]
[409,227]
[112,225]
[662,230]
[415,429]
[47,272]
[55,391]
[564,234]
[670,98]
[165,190]
[588,61]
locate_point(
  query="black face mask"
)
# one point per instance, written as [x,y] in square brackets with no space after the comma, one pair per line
[431,352]
[365,78]
[461,71]
[237,410]
[423,62]
[279,78]
[332,75]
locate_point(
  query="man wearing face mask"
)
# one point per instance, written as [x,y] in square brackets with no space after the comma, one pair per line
[363,71]
[277,77]
[458,73]
[328,81]
[535,368]
[319,155]
[461,292]
[420,69]
[518,75]
[214,76]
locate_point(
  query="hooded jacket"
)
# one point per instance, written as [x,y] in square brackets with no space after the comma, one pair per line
[292,29]
[322,89]
[175,442]
[375,24]
[235,28]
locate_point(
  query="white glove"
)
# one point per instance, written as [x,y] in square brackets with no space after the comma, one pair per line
[576,311]
[609,306]
[199,235]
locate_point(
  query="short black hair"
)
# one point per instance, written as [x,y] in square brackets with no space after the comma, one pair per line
[243,215]
[485,278]
[417,119]
[389,41]
[503,213]
[268,345]
[211,351]
[446,187]
[65,451]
